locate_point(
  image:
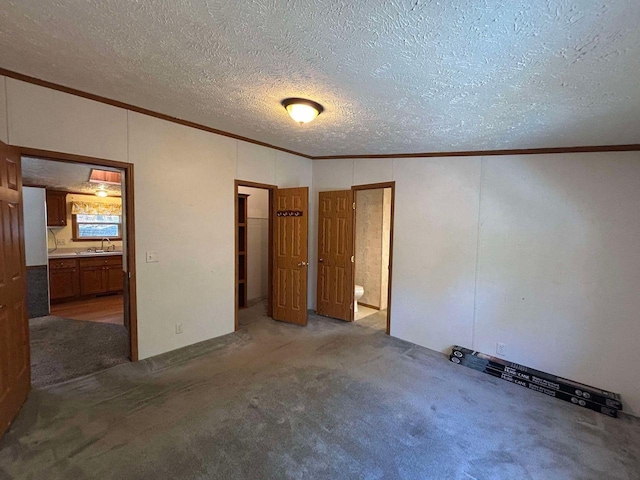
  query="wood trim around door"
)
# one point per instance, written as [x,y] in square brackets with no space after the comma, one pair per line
[272,189]
[129,226]
[374,186]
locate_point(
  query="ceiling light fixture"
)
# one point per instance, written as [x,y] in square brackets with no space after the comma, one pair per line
[102,191]
[302,110]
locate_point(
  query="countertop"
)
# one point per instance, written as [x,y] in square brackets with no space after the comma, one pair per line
[73,253]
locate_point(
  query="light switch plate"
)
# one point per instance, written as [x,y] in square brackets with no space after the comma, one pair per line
[152,257]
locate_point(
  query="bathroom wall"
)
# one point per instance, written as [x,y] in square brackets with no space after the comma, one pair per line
[368,253]
[64,235]
[386,243]
[257,242]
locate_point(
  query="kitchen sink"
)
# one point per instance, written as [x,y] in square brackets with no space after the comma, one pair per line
[97,252]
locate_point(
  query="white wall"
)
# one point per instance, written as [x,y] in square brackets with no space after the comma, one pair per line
[35,230]
[257,242]
[559,266]
[191,230]
[552,240]
[184,198]
[258,204]
[31,123]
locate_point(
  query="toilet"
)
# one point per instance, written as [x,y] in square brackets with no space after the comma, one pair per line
[357,294]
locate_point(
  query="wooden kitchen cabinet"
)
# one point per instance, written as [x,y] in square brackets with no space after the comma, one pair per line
[100,275]
[115,279]
[72,278]
[63,279]
[92,280]
[56,208]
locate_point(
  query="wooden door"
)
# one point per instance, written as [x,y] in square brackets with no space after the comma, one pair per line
[335,250]
[291,220]
[15,371]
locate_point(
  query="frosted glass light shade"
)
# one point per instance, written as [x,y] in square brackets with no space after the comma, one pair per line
[302,110]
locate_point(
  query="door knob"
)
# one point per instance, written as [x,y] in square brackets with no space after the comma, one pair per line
[321,260]
[2,307]
[303,264]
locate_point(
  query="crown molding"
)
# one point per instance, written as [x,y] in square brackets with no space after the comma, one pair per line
[144,111]
[485,153]
[187,123]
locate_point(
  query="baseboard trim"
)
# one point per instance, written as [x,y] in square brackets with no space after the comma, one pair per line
[368,306]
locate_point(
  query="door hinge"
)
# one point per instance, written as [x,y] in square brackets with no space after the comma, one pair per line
[354,205]
[351,306]
[353,259]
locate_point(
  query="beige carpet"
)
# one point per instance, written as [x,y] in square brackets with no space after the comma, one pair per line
[62,349]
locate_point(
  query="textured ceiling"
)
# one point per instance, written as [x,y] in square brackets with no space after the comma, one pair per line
[67,177]
[394,75]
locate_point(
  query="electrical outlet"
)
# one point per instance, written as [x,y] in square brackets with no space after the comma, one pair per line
[501,349]
[61,241]
[178,328]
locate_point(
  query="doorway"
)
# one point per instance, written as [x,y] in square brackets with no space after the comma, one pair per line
[254,236]
[286,225]
[75,247]
[355,254]
[15,364]
[372,249]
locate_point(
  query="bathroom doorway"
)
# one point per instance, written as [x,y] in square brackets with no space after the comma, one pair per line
[372,250]
[355,254]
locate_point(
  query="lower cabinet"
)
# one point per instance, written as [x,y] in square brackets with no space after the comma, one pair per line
[92,280]
[63,279]
[73,278]
[115,279]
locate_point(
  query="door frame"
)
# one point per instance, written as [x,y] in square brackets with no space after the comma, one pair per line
[375,186]
[272,189]
[129,225]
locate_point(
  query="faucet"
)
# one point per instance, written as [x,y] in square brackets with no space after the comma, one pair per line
[102,244]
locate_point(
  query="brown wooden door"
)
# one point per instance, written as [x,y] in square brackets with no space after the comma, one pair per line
[335,250]
[15,371]
[291,220]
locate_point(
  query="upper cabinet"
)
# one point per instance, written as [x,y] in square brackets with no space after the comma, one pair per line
[56,208]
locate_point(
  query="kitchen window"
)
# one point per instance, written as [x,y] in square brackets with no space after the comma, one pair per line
[96,227]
